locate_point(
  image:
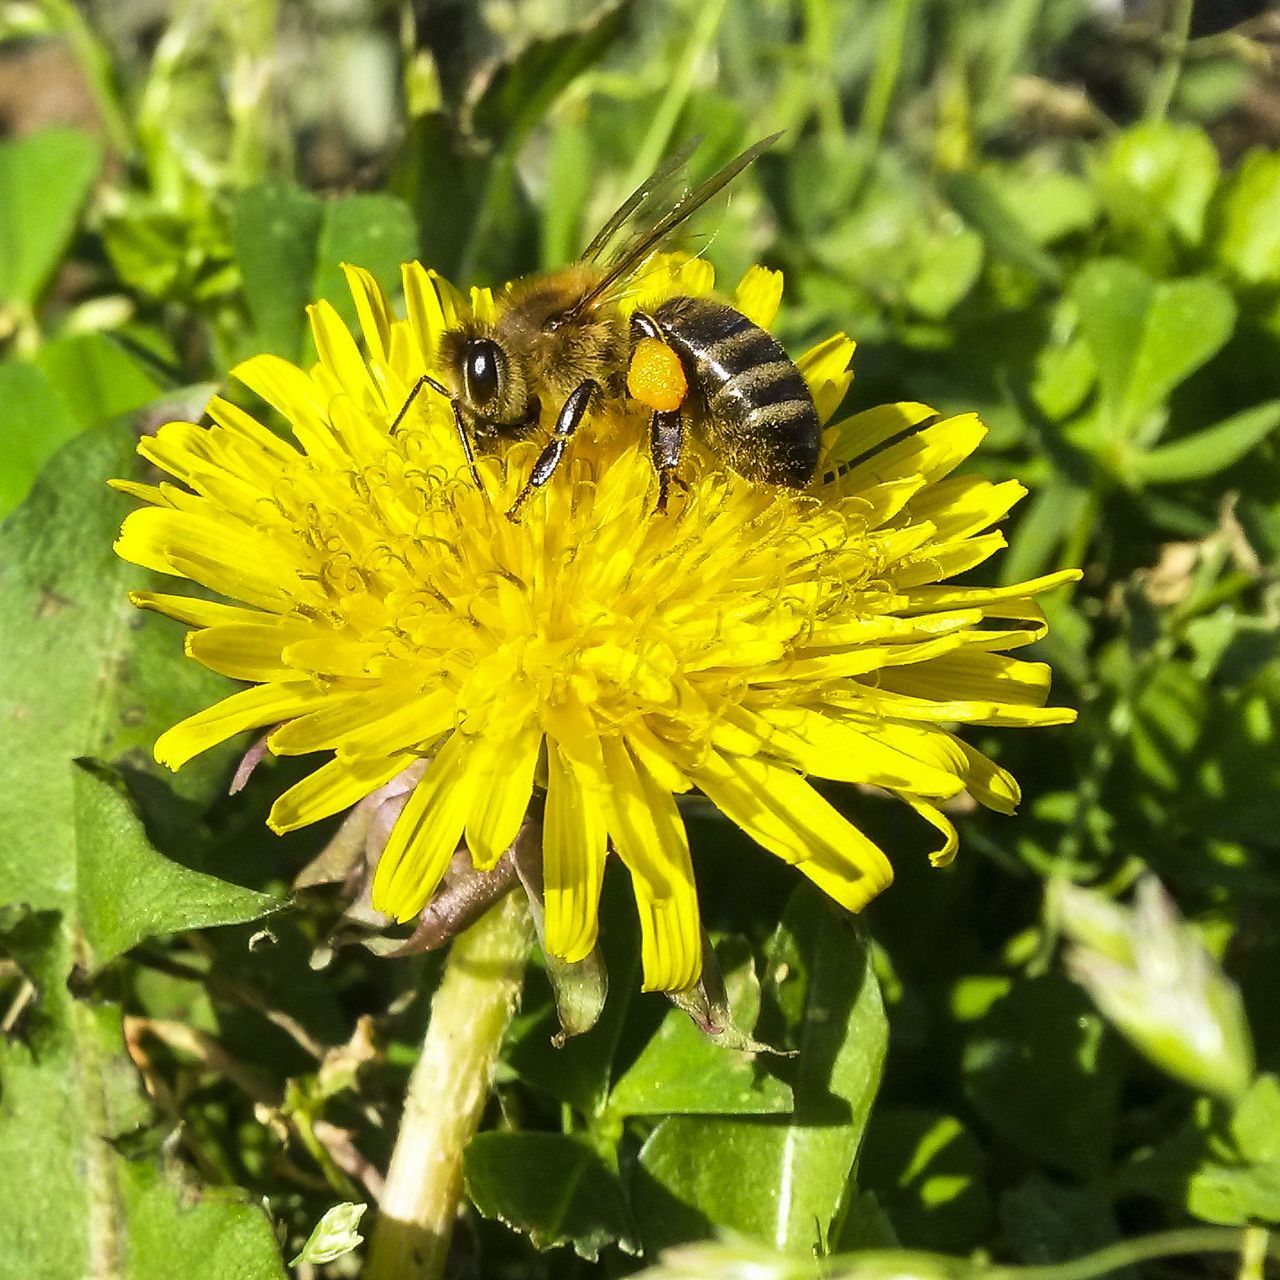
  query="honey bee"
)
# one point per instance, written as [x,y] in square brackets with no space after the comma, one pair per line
[560,341]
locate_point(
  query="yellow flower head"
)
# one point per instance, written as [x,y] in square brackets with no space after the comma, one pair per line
[601,652]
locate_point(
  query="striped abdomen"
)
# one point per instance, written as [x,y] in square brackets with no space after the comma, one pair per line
[751,404]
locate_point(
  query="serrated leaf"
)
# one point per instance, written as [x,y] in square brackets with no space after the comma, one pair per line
[551,1187]
[126,891]
[781,1179]
[1147,336]
[80,678]
[44,181]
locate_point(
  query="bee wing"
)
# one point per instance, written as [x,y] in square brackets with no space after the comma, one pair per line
[654,191]
[632,253]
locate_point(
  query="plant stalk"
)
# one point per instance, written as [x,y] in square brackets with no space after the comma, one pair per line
[447,1093]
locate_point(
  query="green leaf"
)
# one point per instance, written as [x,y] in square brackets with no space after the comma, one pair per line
[1045,1222]
[335,1235]
[1207,452]
[72,1200]
[36,422]
[1038,1045]
[1246,219]
[977,199]
[781,1179]
[522,90]
[44,181]
[927,1171]
[551,1187]
[951,264]
[126,890]
[1147,337]
[1158,177]
[376,232]
[682,1071]
[84,675]
[578,1070]
[97,378]
[1051,205]
[274,229]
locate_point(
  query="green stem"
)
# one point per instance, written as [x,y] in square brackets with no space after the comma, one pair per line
[705,28]
[884,76]
[99,72]
[447,1093]
[1165,84]
[1163,1244]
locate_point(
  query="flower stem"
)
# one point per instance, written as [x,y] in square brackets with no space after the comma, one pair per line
[447,1093]
[1165,83]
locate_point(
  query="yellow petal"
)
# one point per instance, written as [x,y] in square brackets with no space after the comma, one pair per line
[428,318]
[975,676]
[293,395]
[987,782]
[826,369]
[932,452]
[250,709]
[426,834]
[374,721]
[372,309]
[332,788]
[827,748]
[939,820]
[573,858]
[338,352]
[758,295]
[502,787]
[194,611]
[650,838]
[247,650]
[850,438]
[961,506]
[782,812]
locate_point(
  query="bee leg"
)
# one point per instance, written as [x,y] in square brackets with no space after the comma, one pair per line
[465,441]
[666,441]
[427,381]
[572,412]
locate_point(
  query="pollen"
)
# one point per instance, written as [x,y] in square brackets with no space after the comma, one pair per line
[656,377]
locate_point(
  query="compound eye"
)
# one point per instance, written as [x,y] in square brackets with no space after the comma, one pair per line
[482,370]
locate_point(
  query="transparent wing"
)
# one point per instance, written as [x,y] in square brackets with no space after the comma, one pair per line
[656,191]
[622,258]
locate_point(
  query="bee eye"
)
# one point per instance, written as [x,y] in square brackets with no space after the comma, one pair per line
[482,370]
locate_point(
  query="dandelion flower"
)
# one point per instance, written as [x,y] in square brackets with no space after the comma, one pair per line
[600,653]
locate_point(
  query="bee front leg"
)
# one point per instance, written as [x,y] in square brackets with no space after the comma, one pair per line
[427,381]
[666,442]
[569,420]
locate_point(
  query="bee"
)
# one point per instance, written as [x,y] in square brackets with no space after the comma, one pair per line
[560,343]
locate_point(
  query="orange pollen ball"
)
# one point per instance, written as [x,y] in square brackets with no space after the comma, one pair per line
[656,376]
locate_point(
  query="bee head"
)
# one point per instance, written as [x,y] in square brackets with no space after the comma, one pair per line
[484,376]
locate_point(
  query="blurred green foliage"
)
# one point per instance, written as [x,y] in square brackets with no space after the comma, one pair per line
[1026,208]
